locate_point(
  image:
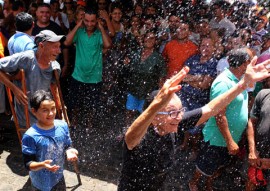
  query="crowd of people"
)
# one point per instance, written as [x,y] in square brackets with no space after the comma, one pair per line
[116,53]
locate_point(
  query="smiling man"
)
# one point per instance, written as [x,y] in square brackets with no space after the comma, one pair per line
[149,143]
[90,38]
[38,67]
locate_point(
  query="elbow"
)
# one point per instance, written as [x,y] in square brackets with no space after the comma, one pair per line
[108,45]
[130,144]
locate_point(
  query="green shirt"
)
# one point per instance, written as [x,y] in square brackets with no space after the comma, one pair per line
[88,62]
[236,111]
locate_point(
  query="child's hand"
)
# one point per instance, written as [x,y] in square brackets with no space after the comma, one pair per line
[53,168]
[72,154]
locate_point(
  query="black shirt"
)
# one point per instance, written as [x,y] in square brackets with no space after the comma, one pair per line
[52,26]
[146,166]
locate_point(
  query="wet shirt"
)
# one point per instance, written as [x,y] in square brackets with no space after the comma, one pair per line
[88,61]
[261,111]
[144,75]
[35,77]
[196,97]
[146,166]
[47,145]
[236,111]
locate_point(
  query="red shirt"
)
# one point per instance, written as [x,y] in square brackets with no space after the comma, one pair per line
[176,54]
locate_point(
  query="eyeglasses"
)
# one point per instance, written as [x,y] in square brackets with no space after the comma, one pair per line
[173,114]
[69,3]
[102,3]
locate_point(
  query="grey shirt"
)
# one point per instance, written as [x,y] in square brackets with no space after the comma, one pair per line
[36,78]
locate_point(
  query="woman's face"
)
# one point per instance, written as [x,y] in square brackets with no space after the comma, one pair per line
[135,22]
[102,4]
[149,40]
[166,123]
[138,10]
[116,15]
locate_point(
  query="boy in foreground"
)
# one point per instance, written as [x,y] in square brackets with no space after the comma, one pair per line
[45,144]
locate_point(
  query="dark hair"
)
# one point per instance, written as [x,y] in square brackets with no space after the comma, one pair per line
[23,21]
[44,5]
[237,57]
[91,12]
[16,5]
[38,97]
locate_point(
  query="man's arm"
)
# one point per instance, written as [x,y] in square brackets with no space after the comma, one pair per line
[71,34]
[253,74]
[139,127]
[18,93]
[107,42]
[252,156]
[223,126]
[199,81]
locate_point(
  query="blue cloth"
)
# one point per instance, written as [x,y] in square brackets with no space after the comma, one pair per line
[47,145]
[20,42]
[133,103]
[191,97]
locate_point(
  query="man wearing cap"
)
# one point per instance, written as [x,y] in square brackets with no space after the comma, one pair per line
[43,22]
[90,37]
[38,67]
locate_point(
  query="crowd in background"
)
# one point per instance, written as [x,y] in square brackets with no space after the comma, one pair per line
[132,47]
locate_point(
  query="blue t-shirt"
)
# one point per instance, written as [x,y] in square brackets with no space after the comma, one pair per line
[47,145]
[192,97]
[20,42]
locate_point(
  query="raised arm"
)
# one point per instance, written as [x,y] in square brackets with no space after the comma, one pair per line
[253,74]
[107,42]
[71,34]
[139,127]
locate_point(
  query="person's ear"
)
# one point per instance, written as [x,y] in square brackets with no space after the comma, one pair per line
[156,121]
[33,111]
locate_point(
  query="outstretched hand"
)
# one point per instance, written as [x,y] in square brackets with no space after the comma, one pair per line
[255,73]
[171,86]
[49,167]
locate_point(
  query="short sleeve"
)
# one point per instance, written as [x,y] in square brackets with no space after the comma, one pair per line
[190,119]
[256,108]
[28,145]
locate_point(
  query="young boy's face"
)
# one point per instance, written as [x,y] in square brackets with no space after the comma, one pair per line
[45,114]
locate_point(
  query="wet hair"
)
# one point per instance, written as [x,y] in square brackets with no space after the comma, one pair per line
[38,97]
[237,57]
[91,12]
[23,21]
[115,5]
